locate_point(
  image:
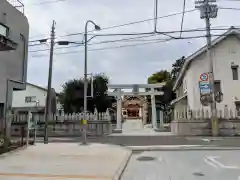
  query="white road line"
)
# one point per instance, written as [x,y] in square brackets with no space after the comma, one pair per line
[210,163]
[206,140]
[219,164]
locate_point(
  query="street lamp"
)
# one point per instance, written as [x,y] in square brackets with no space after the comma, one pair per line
[85,76]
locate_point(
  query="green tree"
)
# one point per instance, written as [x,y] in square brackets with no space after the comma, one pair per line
[101,100]
[71,96]
[176,66]
[159,77]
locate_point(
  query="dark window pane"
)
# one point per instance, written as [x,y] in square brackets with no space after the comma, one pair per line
[217,86]
[235,73]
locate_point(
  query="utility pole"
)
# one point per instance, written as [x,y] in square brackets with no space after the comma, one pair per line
[209,10]
[155,15]
[48,102]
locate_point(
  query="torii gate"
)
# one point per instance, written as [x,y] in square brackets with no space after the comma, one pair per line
[119,93]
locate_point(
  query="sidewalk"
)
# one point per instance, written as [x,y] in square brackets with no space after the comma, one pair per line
[64,161]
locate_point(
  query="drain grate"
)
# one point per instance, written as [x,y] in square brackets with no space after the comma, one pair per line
[146,158]
[198,174]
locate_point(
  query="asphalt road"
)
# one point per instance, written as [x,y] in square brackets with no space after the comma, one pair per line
[184,165]
[153,140]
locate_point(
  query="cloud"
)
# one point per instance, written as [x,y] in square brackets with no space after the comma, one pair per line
[123,65]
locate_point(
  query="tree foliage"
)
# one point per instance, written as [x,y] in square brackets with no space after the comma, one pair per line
[176,66]
[72,95]
[168,77]
[159,77]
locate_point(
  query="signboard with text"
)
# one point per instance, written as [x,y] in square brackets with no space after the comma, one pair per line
[204,89]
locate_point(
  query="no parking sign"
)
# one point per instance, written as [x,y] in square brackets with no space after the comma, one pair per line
[204,77]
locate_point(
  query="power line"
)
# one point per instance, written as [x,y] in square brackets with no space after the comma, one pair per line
[137,34]
[237,9]
[154,41]
[32,37]
[67,47]
[121,25]
[33,45]
[135,22]
[39,40]
[102,42]
[136,38]
[126,24]
[161,32]
[184,5]
[131,23]
[108,48]
[46,2]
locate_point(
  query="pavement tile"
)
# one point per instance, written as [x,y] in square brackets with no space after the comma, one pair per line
[63,161]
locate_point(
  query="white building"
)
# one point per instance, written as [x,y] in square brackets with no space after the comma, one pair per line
[226,61]
[33,98]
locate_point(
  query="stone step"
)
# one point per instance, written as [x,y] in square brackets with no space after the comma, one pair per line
[132,125]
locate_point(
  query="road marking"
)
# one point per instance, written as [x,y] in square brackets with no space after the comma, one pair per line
[206,140]
[67,176]
[213,160]
[160,159]
[210,163]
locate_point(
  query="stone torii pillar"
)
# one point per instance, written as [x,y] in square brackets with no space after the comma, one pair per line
[119,111]
[154,111]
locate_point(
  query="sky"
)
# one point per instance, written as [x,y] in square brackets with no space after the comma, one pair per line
[124,62]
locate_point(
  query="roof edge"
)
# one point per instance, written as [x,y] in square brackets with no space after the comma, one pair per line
[230,31]
[39,87]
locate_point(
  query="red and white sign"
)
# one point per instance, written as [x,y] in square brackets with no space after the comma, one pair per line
[204,77]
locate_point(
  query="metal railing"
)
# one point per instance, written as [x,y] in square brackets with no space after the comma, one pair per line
[18,4]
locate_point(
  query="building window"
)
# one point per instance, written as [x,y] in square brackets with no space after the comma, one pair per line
[4,30]
[29,99]
[235,72]
[217,86]
[237,103]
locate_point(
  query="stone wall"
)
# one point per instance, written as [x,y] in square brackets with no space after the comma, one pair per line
[67,129]
[230,127]
[227,127]
[190,127]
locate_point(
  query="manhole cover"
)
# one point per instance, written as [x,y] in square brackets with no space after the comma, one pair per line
[145,158]
[198,174]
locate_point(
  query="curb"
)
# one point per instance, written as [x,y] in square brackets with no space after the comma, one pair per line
[122,167]
[13,151]
[180,148]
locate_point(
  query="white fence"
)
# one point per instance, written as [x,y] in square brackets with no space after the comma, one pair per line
[197,122]
[226,113]
[65,124]
[96,116]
